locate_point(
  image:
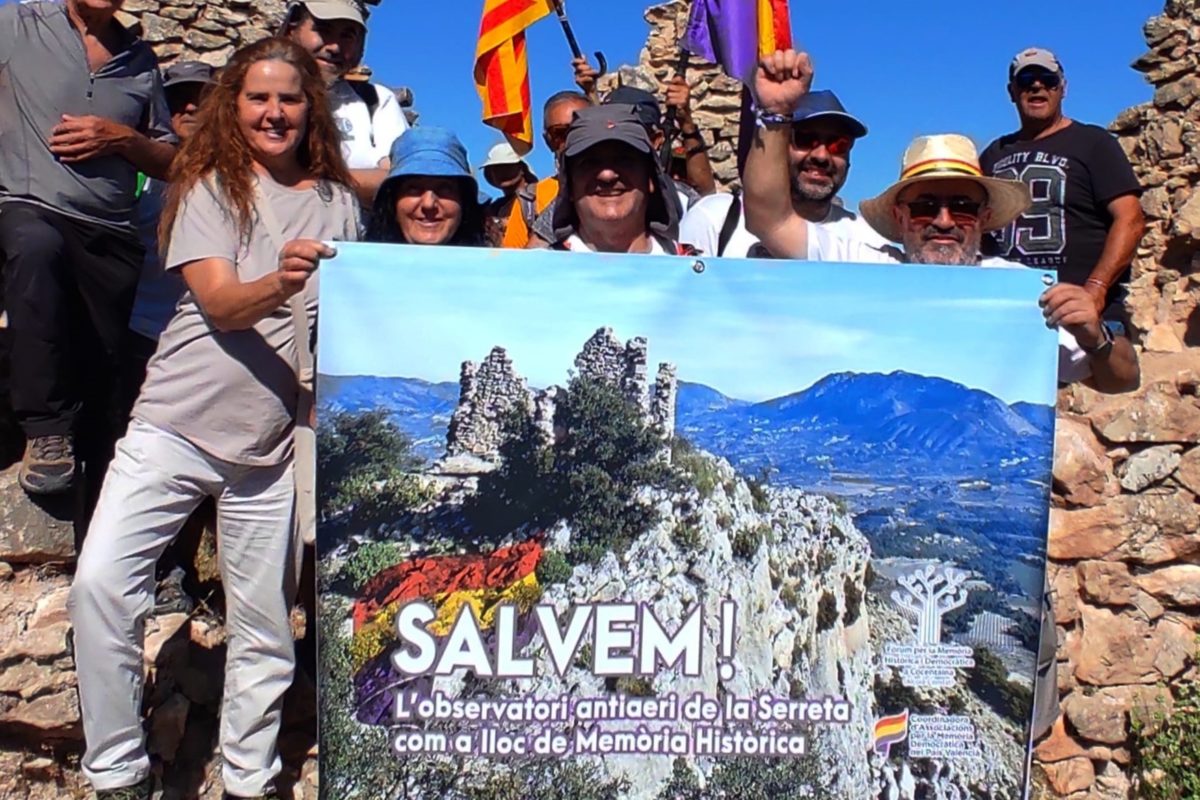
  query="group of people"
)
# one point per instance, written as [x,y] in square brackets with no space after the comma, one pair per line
[161,232]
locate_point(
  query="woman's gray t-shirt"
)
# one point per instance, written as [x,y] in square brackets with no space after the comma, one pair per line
[233,394]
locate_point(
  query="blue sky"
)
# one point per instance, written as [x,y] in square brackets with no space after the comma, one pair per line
[753,330]
[904,69]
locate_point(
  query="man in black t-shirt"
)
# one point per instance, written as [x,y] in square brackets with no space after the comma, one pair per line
[1086,220]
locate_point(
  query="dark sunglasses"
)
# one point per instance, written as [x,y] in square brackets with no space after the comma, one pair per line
[1025,79]
[963,210]
[837,145]
[557,133]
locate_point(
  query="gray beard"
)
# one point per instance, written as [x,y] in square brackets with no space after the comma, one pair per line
[812,195]
[943,255]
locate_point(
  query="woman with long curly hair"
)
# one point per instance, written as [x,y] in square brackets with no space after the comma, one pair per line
[254,193]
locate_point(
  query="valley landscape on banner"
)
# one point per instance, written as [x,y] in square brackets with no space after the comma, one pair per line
[659,529]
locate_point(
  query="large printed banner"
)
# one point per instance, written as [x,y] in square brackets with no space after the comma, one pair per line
[609,527]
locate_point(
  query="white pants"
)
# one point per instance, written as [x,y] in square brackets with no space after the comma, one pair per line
[154,482]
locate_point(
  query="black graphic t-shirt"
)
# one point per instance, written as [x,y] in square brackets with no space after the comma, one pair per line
[1073,175]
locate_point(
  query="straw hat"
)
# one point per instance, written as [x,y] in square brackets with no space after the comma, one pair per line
[945,156]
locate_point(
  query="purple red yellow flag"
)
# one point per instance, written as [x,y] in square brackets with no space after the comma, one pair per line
[477,584]
[736,33]
[889,731]
[502,69]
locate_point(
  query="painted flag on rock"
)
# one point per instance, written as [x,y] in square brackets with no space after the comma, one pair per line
[452,585]
[502,69]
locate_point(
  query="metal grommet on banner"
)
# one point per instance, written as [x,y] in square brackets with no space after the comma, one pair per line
[698,266]
[1048,279]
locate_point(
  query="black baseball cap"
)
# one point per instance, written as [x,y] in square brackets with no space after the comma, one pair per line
[614,122]
[643,102]
[187,72]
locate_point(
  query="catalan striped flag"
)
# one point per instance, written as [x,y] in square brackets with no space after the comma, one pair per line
[736,33]
[476,584]
[889,731]
[502,70]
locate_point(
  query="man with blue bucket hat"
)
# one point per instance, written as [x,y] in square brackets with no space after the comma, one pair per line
[823,134]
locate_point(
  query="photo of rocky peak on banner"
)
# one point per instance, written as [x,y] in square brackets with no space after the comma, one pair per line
[675,529]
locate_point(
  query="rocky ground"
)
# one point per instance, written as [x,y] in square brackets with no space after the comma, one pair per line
[41,736]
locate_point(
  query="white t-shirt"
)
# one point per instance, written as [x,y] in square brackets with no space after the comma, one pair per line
[826,245]
[701,227]
[366,139]
[577,245]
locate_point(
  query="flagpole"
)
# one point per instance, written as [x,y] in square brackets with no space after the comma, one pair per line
[573,43]
[669,126]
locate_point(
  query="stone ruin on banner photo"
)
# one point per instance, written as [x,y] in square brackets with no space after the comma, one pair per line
[488,391]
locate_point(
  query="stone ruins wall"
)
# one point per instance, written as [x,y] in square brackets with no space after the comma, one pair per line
[487,393]
[205,31]
[1124,546]
[490,391]
[716,98]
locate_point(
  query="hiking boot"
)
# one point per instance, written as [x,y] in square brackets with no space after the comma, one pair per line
[141,791]
[48,466]
[170,597]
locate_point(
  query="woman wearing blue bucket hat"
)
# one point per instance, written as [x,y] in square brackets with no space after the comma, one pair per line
[430,196]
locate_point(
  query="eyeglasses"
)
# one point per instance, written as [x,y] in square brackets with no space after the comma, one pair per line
[1025,79]
[838,145]
[557,134]
[963,210]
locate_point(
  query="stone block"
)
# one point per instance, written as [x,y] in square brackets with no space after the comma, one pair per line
[34,530]
[1149,466]
[1119,649]
[1177,585]
[1082,469]
[1106,583]
[1100,717]
[1072,775]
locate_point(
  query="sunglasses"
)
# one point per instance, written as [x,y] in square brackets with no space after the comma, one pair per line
[837,145]
[1026,79]
[963,210]
[557,133]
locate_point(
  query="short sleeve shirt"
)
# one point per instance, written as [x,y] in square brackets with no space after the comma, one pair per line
[44,74]
[233,394]
[1073,175]
[701,227]
[366,138]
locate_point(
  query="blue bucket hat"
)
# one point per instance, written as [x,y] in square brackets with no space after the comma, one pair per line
[431,152]
[824,104]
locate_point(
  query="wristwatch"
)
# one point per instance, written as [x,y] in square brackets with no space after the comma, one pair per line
[1104,349]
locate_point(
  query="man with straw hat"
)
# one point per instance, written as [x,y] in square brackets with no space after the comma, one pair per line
[937,213]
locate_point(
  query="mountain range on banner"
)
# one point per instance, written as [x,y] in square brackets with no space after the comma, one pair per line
[884,425]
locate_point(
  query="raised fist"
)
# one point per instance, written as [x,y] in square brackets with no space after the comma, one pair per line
[781,80]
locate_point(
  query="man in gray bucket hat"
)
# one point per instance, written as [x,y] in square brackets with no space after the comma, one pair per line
[611,188]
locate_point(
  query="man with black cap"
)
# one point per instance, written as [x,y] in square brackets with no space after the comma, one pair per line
[82,111]
[699,172]
[822,135]
[612,188]
[368,115]
[680,196]
[1086,219]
